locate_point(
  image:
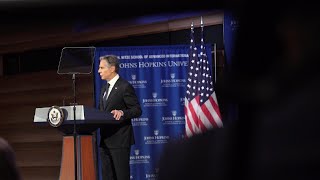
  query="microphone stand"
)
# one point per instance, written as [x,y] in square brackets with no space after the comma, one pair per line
[74,126]
[68,68]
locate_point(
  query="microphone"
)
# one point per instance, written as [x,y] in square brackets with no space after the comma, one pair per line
[64,100]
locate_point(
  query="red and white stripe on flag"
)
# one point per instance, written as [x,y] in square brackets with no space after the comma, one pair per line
[201,106]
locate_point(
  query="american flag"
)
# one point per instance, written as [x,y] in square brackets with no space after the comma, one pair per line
[201,106]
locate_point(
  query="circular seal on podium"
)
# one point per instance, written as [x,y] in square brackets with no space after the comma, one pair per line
[55,116]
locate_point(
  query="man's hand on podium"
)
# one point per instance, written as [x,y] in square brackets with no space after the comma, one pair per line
[117,114]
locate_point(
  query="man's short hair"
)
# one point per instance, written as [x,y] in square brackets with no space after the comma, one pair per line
[112,60]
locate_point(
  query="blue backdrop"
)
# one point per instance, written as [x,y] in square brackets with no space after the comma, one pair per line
[158,74]
[230,29]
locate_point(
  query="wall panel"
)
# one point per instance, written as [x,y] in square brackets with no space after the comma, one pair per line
[38,148]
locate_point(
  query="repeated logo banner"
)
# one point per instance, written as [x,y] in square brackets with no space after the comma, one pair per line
[158,74]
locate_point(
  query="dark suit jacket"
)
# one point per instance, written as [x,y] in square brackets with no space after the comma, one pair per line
[122,97]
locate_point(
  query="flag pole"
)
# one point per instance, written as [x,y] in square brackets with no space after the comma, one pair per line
[215,117]
[214,51]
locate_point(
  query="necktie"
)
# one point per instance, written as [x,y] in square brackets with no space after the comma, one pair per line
[105,96]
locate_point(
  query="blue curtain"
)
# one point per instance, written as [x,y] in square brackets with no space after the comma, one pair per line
[158,74]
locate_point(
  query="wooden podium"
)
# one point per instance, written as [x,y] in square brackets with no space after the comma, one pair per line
[88,119]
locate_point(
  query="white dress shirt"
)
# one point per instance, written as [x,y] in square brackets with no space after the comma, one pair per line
[111,82]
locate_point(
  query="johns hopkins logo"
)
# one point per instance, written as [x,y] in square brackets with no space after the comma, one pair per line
[139,159]
[173,81]
[141,121]
[156,132]
[174,113]
[153,175]
[174,119]
[172,75]
[156,138]
[137,83]
[133,77]
[154,95]
[136,152]
[182,101]
[234,24]
[155,101]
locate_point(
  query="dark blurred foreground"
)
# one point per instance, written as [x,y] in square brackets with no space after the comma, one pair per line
[275,82]
[8,166]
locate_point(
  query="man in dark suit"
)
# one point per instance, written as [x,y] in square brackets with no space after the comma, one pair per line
[119,98]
